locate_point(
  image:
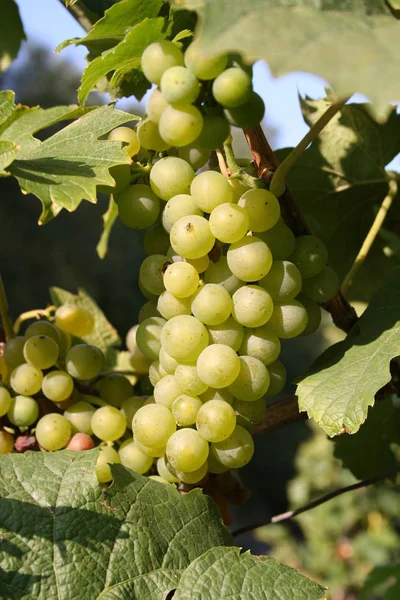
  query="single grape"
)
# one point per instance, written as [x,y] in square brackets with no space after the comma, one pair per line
[232,87]
[41,351]
[249,259]
[322,287]
[169,306]
[186,450]
[310,255]
[158,57]
[131,457]
[283,281]
[219,272]
[164,472]
[191,236]
[205,65]
[185,408]
[171,176]
[229,222]
[249,114]
[84,361]
[140,363]
[129,408]
[121,175]
[218,366]
[180,125]
[179,206]
[253,380]
[153,425]
[14,352]
[156,241]
[209,189]
[127,135]
[148,336]
[5,401]
[106,457]
[43,328]
[288,319]
[149,136]
[214,394]
[57,386]
[6,442]
[280,240]
[184,337]
[212,304]
[138,206]
[252,306]
[151,273]
[153,451]
[179,86]
[188,380]
[156,105]
[261,343]
[74,319]
[262,208]
[80,416]
[114,388]
[23,411]
[53,432]
[108,423]
[249,414]
[215,420]
[313,313]
[237,450]
[214,465]
[168,363]
[166,391]
[278,375]
[181,279]
[195,155]
[193,477]
[26,380]
[80,441]
[214,133]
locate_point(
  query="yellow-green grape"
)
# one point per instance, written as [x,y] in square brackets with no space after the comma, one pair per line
[186,450]
[5,401]
[170,306]
[196,156]
[238,189]
[148,336]
[200,264]
[65,344]
[214,394]
[131,457]
[252,306]
[156,105]
[80,416]
[229,222]
[153,451]
[74,319]
[313,313]
[14,352]
[114,388]
[179,86]
[249,259]
[108,423]
[106,457]
[283,281]
[277,374]
[156,240]
[84,361]
[53,432]
[153,425]
[57,386]
[310,255]
[180,125]
[253,380]
[280,240]
[181,279]
[151,273]
[212,304]
[210,189]
[218,365]
[247,115]
[215,131]
[164,472]
[129,408]
[166,391]
[322,287]
[149,309]
[214,465]
[215,420]
[41,351]
[232,87]
[261,343]
[204,64]
[237,450]
[188,381]
[156,372]
[220,273]
[171,176]
[249,414]
[262,208]
[26,380]
[138,206]
[192,477]
[184,338]
[6,443]
[139,362]
[44,328]
[167,362]
[288,319]
[191,236]
[23,411]
[185,408]
[127,135]
[158,57]
[179,206]
[149,136]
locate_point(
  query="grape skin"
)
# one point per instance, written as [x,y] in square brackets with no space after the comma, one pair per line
[186,450]
[158,57]
[108,423]
[57,386]
[212,304]
[166,391]
[191,237]
[237,450]
[185,409]
[232,87]
[151,273]
[188,380]
[26,380]
[106,457]
[23,411]
[153,425]
[156,105]
[179,86]
[180,125]
[149,136]
[288,319]
[277,373]
[229,222]
[125,134]
[171,176]
[230,333]
[5,401]
[209,189]
[133,458]
[252,306]
[74,319]
[80,416]
[184,338]
[148,336]
[252,381]
[283,281]
[215,420]
[261,343]
[84,361]
[14,352]
[310,255]
[181,279]
[6,443]
[114,389]
[249,259]
[218,365]
[53,432]
[138,206]
[205,65]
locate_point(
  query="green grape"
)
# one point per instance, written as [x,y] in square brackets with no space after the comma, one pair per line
[139,362]
[218,365]
[310,255]
[122,178]
[280,240]
[41,351]
[253,380]
[148,336]
[193,477]
[181,279]
[129,408]
[57,386]
[79,442]
[249,414]
[156,372]
[229,222]
[215,420]
[322,287]
[80,416]
[53,432]
[26,380]
[23,411]
[108,423]
[156,104]
[164,472]
[288,319]
[14,352]
[64,345]
[195,155]
[153,451]
[149,136]
[153,425]
[171,176]
[238,189]
[188,380]
[200,264]
[152,297]
[237,450]
[156,240]
[262,208]
[84,361]
[214,394]
[249,114]
[149,309]
[43,328]
[212,304]
[184,338]
[283,281]
[106,457]
[166,391]
[249,259]
[151,274]
[220,272]
[185,408]
[6,443]
[158,57]
[114,388]
[125,134]
[277,374]
[169,306]
[191,237]
[214,133]
[5,401]
[180,125]
[214,465]
[261,343]
[313,313]
[75,320]
[179,86]
[232,87]
[209,189]
[138,206]
[179,206]
[205,65]
[252,306]
[186,450]
[168,363]
[131,457]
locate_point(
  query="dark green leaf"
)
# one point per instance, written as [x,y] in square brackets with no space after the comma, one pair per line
[11,33]
[8,151]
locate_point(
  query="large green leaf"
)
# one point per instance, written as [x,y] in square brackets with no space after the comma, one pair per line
[344,379]
[8,151]
[11,33]
[63,537]
[354,44]
[224,573]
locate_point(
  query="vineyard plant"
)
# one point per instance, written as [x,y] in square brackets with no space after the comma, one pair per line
[123,458]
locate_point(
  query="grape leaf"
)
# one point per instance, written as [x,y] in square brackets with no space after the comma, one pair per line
[8,151]
[302,35]
[108,221]
[62,535]
[11,33]
[226,573]
[382,582]
[344,379]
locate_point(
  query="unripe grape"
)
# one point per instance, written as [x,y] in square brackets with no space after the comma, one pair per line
[114,388]
[14,352]
[214,133]
[247,115]
[129,408]
[151,274]
[166,391]
[181,279]
[262,208]
[232,87]
[179,86]
[171,176]
[23,411]
[158,57]
[322,287]
[229,222]
[185,408]
[84,361]
[149,136]
[283,281]
[194,154]
[277,374]
[138,206]
[209,189]
[310,255]
[191,237]
[180,125]
[205,65]
[230,333]
[288,319]
[252,306]
[43,328]
[155,105]
[237,450]
[249,414]
[179,206]
[148,336]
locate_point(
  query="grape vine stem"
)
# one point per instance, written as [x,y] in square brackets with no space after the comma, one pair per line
[5,313]
[80,13]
